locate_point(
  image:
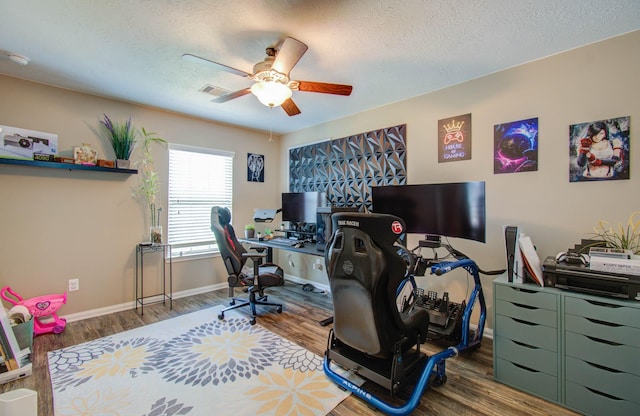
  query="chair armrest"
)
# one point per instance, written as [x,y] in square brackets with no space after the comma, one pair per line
[254,255]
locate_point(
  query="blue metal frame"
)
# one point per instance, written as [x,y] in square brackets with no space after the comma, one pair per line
[436,363]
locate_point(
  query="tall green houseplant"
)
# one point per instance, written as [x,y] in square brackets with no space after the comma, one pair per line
[149,185]
[123,138]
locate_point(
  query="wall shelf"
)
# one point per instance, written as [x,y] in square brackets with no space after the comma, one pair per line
[69,166]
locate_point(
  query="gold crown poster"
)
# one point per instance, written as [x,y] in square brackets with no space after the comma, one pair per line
[454,138]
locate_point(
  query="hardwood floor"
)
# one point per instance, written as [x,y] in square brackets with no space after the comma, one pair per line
[470,388]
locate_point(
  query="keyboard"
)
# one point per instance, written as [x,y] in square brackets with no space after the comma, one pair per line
[284,241]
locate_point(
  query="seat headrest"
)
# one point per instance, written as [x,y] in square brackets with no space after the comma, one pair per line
[224,215]
[385,229]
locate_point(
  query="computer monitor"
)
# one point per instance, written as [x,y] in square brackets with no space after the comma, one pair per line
[301,207]
[442,209]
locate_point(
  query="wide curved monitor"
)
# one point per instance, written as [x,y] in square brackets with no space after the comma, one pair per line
[443,209]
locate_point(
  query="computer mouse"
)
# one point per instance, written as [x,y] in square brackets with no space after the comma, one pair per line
[299,245]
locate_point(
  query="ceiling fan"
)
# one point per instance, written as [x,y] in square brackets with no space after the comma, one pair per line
[272,86]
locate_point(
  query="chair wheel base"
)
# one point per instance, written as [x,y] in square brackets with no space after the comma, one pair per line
[279,310]
[252,321]
[221,316]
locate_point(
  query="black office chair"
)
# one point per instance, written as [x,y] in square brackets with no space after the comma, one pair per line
[366,265]
[235,256]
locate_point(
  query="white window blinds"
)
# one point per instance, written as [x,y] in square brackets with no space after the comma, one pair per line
[198,179]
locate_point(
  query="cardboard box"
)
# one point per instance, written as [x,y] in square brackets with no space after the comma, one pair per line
[613,265]
[17,143]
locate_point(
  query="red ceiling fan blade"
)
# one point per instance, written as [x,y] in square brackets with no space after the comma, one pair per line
[290,107]
[194,58]
[288,55]
[337,89]
[231,96]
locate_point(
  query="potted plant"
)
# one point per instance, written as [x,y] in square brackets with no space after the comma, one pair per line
[627,238]
[249,230]
[149,185]
[123,138]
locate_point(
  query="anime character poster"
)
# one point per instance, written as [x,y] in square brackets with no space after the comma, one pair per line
[599,150]
[454,138]
[255,167]
[515,146]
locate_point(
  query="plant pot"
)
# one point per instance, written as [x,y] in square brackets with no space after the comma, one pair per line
[249,233]
[123,163]
[155,234]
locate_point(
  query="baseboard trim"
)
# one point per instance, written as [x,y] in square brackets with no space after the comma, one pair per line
[92,313]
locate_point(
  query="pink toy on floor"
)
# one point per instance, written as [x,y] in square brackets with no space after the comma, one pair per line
[43,308]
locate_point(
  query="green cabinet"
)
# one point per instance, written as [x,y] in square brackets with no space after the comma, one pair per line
[578,350]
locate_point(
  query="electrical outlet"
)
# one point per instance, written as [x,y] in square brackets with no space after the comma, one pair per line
[74,284]
[318,264]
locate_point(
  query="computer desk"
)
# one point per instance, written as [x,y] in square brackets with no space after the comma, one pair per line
[309,248]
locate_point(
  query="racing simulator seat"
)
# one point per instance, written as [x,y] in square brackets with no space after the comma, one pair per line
[235,256]
[367,264]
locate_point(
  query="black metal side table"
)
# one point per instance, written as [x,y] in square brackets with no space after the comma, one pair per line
[141,250]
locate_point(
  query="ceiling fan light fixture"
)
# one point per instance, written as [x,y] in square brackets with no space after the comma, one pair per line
[271,93]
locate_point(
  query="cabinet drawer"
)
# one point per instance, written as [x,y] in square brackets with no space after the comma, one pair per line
[613,383]
[614,313]
[602,352]
[525,296]
[523,378]
[527,313]
[592,402]
[536,335]
[604,330]
[527,355]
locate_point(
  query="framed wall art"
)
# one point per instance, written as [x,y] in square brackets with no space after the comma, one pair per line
[255,167]
[454,138]
[599,150]
[515,146]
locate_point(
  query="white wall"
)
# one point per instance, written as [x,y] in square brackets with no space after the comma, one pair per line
[595,82]
[57,224]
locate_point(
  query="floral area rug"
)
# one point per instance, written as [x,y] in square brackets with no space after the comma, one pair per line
[191,365]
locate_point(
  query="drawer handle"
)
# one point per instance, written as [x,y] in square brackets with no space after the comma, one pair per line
[602,367]
[608,396]
[608,305]
[523,322]
[599,322]
[520,305]
[604,341]
[522,344]
[526,368]
[519,289]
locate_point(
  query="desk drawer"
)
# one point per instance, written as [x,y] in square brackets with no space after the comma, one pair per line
[527,313]
[529,356]
[603,330]
[602,352]
[533,334]
[592,402]
[524,296]
[614,313]
[527,379]
[610,382]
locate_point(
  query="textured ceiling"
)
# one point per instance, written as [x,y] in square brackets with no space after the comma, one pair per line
[389,50]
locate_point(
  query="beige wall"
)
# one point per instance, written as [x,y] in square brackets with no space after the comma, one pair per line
[595,82]
[58,224]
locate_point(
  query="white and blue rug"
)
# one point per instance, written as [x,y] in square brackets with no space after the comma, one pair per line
[191,365]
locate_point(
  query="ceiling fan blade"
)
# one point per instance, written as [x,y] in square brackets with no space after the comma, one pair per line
[288,55]
[231,96]
[290,107]
[198,59]
[337,89]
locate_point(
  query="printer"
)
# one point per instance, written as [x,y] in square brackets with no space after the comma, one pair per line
[579,277]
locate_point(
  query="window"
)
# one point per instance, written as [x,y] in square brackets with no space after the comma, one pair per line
[198,179]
